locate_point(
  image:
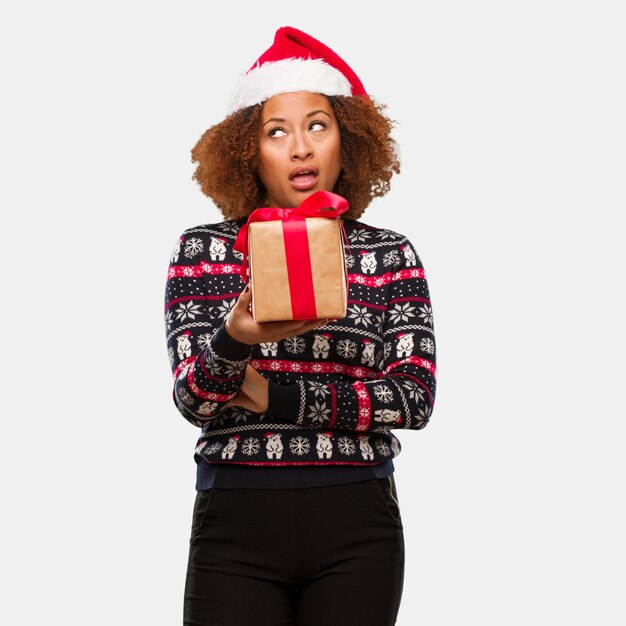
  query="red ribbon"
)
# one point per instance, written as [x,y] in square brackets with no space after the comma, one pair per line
[300,275]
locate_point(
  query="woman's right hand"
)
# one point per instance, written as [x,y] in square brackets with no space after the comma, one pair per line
[240,324]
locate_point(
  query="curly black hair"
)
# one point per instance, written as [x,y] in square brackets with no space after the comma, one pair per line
[227,157]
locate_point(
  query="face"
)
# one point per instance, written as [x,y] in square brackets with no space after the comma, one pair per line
[299,132]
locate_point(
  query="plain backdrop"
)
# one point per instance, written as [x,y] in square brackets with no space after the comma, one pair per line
[510,117]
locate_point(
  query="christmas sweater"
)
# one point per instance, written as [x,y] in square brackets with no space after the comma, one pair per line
[336,392]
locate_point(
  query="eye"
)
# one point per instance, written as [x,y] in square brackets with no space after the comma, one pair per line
[273,130]
[317,123]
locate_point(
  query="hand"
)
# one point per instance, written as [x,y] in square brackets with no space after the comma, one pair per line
[240,324]
[253,393]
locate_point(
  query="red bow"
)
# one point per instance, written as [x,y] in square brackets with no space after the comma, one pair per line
[318,204]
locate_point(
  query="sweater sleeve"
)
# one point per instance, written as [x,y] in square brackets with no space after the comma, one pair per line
[404,395]
[208,365]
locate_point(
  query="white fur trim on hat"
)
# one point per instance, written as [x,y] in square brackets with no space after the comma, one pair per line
[284,76]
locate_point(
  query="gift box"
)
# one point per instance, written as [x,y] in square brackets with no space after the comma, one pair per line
[296,260]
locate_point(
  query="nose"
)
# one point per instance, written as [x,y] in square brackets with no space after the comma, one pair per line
[300,147]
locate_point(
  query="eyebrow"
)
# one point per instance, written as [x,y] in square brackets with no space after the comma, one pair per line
[280,119]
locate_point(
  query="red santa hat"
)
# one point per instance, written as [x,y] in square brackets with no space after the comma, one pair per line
[295,62]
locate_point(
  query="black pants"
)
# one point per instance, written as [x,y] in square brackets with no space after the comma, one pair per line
[316,556]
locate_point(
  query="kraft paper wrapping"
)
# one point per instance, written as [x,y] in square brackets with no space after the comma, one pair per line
[271,297]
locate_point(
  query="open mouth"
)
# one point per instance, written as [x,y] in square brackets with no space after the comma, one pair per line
[303,177]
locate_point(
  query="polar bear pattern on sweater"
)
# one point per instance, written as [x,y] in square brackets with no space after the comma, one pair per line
[273,445]
[324,445]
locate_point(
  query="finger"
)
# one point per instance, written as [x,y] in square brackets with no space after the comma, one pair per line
[315,323]
[299,326]
[245,296]
[282,329]
[241,397]
[246,401]
[251,387]
[300,330]
[242,304]
[249,371]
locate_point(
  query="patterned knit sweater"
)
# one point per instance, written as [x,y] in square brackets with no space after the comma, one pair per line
[335,393]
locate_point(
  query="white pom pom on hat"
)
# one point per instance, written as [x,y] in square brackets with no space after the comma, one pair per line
[295,62]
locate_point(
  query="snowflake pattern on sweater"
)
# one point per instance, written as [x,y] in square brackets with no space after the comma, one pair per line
[335,393]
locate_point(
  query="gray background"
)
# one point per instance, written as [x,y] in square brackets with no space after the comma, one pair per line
[513,181]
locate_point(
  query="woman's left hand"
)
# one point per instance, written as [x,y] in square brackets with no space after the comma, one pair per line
[253,394]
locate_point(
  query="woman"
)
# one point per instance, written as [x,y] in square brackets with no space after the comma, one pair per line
[296,518]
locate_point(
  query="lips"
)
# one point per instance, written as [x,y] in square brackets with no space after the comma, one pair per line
[304,170]
[303,178]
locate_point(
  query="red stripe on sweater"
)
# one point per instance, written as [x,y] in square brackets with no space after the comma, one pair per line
[196,271]
[410,299]
[381,307]
[316,367]
[365,406]
[181,365]
[313,367]
[333,405]
[415,360]
[385,279]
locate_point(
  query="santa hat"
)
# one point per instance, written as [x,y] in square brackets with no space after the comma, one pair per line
[295,62]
